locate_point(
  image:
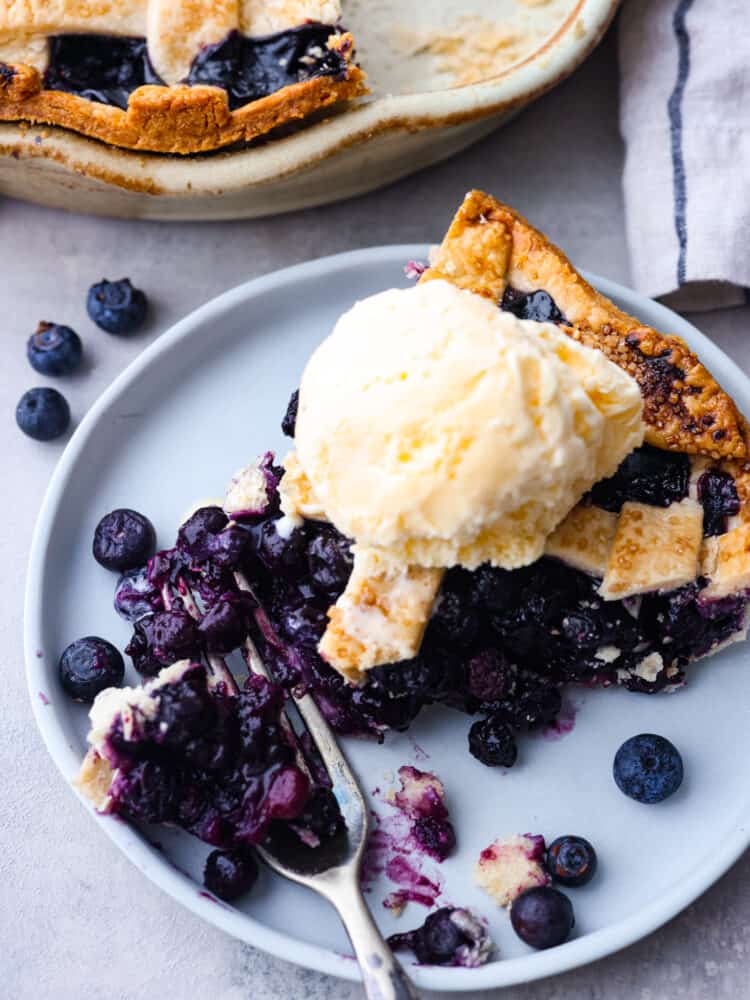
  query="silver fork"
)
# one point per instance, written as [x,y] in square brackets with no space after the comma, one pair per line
[334,870]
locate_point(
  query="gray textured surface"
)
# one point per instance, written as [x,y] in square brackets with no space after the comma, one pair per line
[75,918]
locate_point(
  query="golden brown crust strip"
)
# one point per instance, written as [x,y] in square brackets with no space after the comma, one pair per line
[177,119]
[489,246]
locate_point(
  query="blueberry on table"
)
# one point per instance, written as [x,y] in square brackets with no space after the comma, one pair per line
[116,306]
[123,539]
[571,861]
[54,349]
[230,874]
[648,768]
[88,666]
[43,414]
[542,917]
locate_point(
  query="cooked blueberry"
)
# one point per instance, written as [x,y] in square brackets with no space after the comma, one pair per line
[493,588]
[436,836]
[116,306]
[647,475]
[54,349]
[436,942]
[162,638]
[43,414]
[717,493]
[289,423]
[208,535]
[538,306]
[305,624]
[571,861]
[648,768]
[288,794]
[124,539]
[330,560]
[135,595]
[491,742]
[223,627]
[454,621]
[282,554]
[491,676]
[88,666]
[230,874]
[542,917]
[322,815]
[151,792]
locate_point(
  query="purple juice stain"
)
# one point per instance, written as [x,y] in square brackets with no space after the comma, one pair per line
[564,723]
[43,698]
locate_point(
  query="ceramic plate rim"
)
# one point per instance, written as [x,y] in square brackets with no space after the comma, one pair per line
[147,859]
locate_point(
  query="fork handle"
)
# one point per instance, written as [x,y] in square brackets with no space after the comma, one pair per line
[382,975]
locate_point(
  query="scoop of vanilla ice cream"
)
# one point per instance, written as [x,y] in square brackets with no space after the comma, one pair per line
[440,429]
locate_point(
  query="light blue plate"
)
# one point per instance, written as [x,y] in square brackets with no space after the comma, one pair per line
[201,402]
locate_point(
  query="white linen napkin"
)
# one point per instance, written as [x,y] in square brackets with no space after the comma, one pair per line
[685,119]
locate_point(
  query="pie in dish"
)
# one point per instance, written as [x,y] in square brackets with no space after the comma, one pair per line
[173,76]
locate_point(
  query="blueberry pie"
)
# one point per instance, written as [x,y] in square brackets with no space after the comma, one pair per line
[500,484]
[173,76]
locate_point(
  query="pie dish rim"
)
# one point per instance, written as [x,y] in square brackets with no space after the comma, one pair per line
[392,124]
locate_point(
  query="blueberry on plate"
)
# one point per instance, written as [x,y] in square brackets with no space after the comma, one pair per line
[123,539]
[54,349]
[491,742]
[116,306]
[542,917]
[43,414]
[230,874]
[648,768]
[571,861]
[88,666]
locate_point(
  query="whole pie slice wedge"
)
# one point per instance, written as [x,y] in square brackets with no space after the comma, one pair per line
[652,569]
[174,76]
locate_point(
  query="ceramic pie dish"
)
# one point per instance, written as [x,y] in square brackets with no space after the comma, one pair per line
[142,109]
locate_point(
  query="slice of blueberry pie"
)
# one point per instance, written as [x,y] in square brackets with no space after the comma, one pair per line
[501,484]
[174,76]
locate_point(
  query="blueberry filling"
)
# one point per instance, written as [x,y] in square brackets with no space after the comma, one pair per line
[647,475]
[250,68]
[449,936]
[218,764]
[538,306]
[718,494]
[108,68]
[101,68]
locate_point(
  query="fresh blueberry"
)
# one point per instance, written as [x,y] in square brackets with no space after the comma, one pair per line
[289,423]
[116,306]
[43,414]
[88,666]
[230,874]
[542,917]
[648,768]
[54,349]
[571,861]
[123,540]
[491,742]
